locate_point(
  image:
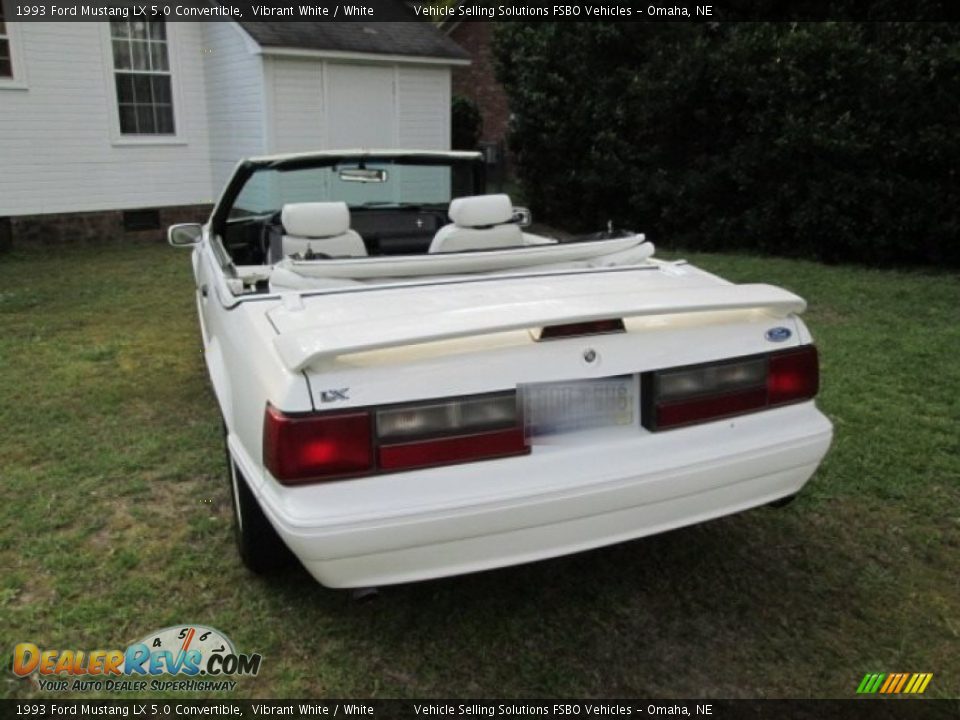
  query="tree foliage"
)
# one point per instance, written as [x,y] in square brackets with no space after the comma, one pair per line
[836,141]
[466,123]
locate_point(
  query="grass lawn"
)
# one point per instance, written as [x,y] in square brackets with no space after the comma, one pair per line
[116,518]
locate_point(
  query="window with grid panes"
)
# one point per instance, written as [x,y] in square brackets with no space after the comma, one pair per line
[141,65]
[6,57]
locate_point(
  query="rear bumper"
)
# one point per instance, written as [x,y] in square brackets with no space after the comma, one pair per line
[556,501]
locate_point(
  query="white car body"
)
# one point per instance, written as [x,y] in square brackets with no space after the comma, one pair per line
[335,341]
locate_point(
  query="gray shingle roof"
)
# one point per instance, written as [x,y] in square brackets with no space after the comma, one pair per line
[416,37]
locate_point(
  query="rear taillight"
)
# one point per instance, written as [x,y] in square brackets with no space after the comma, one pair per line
[306,448]
[794,375]
[447,417]
[698,393]
[450,431]
[316,447]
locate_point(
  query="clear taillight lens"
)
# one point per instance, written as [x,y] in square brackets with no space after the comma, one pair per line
[451,417]
[711,379]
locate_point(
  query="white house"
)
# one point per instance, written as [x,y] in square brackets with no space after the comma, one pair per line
[136,124]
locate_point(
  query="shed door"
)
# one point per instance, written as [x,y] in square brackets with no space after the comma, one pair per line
[361,109]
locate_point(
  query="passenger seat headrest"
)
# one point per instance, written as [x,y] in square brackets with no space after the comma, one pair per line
[315,219]
[481,210]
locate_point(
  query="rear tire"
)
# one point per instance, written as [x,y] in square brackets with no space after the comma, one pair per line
[261,549]
[783,502]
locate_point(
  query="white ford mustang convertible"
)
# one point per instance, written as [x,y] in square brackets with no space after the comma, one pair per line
[415,384]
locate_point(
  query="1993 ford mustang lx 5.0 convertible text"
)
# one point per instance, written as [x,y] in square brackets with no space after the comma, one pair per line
[414,384]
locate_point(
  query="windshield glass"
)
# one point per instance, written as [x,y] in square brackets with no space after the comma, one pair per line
[360,182]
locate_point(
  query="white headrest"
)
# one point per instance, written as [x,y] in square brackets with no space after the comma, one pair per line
[480,210]
[315,219]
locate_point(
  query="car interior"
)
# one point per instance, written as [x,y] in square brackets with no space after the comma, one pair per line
[328,230]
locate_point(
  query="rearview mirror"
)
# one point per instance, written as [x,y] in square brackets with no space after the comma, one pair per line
[364,175]
[522,216]
[184,234]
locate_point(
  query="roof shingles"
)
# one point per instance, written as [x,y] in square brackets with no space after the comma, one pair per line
[416,37]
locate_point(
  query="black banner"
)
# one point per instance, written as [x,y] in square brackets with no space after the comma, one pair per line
[474,10]
[163,709]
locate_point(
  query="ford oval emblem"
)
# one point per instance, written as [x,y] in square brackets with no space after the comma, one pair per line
[778,334]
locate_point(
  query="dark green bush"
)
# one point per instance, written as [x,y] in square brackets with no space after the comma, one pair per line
[465,123]
[835,141]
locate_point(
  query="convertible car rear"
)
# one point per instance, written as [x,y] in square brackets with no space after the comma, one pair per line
[414,384]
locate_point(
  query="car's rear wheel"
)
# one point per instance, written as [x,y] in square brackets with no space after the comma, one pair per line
[260,548]
[783,502]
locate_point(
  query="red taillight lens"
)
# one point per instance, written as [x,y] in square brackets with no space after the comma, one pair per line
[309,448]
[444,451]
[708,408]
[793,375]
[688,395]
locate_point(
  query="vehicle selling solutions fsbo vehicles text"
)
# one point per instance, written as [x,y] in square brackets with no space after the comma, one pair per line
[467,11]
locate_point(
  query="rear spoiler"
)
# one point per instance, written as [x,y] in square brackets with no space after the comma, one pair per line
[299,349]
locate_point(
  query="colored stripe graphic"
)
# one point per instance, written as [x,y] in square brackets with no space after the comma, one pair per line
[891,678]
[871,682]
[903,680]
[912,684]
[894,683]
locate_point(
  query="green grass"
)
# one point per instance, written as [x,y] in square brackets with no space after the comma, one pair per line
[111,454]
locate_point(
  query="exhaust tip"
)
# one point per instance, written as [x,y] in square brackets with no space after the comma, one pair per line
[365,595]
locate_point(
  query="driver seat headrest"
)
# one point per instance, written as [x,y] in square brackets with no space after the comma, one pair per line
[321,227]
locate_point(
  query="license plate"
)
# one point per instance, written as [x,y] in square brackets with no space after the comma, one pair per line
[577,405]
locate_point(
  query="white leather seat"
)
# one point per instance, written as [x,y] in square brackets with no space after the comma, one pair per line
[480,222]
[321,227]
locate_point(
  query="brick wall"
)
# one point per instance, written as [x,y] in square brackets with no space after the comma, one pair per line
[478,82]
[94,227]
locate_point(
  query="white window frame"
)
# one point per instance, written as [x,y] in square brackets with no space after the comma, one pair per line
[117,137]
[17,60]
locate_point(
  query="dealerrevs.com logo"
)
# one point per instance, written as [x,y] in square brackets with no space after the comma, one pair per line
[203,654]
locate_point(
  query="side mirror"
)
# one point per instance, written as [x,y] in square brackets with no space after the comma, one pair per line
[522,216]
[184,234]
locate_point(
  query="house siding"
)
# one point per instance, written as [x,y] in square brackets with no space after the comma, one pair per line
[415,100]
[59,140]
[296,108]
[319,104]
[235,98]
[423,98]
